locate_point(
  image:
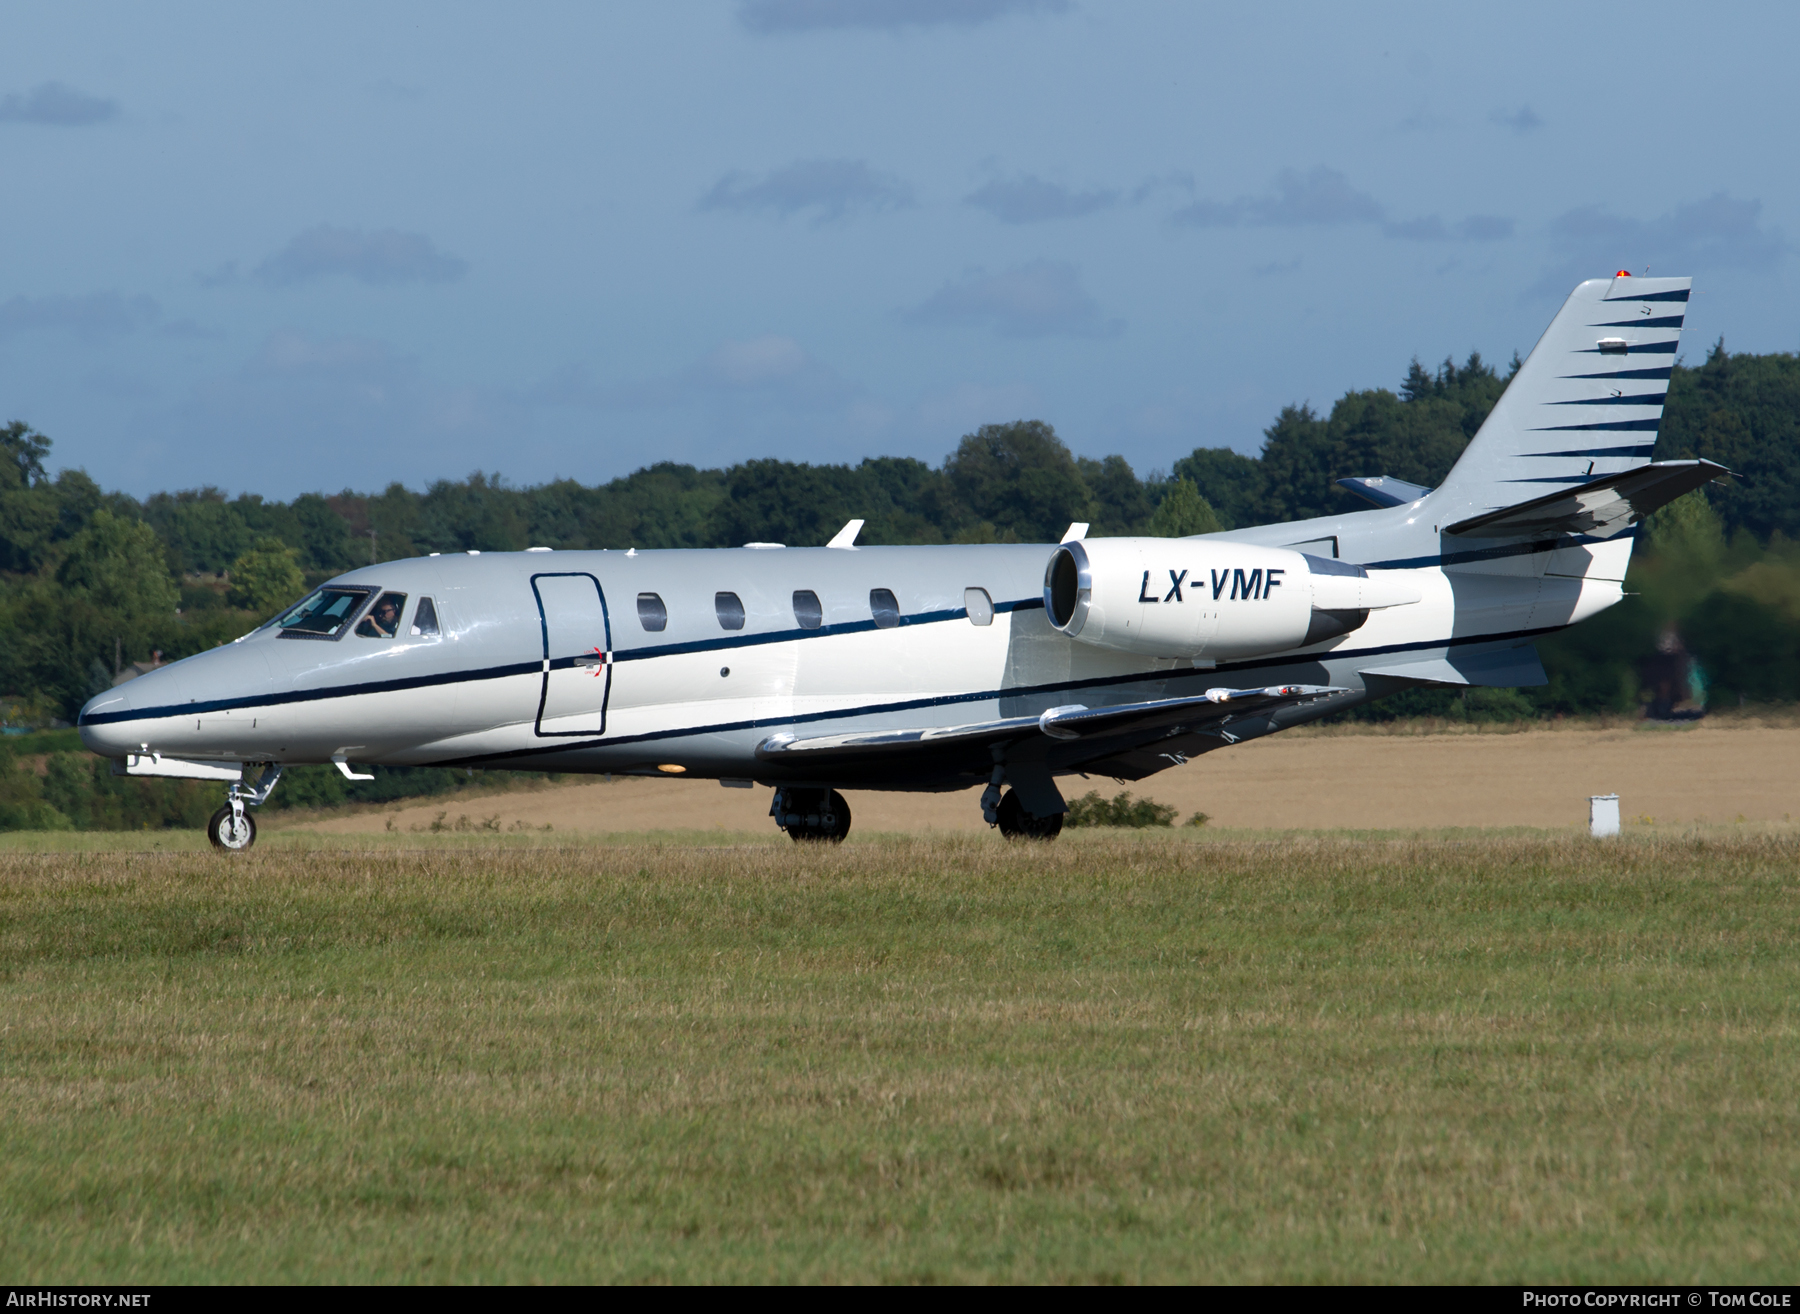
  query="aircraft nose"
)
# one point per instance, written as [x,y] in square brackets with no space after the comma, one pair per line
[178,708]
[106,722]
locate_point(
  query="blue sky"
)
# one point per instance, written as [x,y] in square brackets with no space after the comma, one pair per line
[350,244]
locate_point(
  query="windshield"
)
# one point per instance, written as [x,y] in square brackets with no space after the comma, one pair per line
[324,615]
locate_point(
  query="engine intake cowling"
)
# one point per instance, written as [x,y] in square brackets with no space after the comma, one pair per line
[1174,597]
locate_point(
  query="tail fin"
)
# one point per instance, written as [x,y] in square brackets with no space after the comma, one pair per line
[1586,403]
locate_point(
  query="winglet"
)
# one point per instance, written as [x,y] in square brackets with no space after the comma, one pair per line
[1075,532]
[846,537]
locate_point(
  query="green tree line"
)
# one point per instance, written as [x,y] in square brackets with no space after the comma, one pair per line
[91,580]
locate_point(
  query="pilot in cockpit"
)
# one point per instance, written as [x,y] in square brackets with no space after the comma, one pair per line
[383,620]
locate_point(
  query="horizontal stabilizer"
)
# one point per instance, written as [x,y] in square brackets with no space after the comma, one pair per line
[1509,668]
[1600,508]
[1384,490]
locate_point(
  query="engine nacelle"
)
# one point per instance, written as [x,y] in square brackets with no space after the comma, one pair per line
[1184,597]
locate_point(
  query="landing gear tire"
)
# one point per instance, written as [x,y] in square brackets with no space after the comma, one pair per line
[1016,823]
[231,832]
[813,814]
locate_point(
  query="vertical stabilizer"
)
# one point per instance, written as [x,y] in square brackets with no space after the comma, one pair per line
[1586,403]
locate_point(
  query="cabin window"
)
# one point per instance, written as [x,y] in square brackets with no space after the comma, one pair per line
[652,615]
[979,606]
[885,607]
[325,614]
[425,621]
[383,620]
[730,610]
[807,609]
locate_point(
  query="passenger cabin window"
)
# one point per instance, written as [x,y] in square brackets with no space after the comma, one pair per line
[979,606]
[885,607]
[324,615]
[807,609]
[652,615]
[730,609]
[383,620]
[425,621]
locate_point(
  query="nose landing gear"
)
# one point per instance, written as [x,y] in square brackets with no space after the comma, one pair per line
[231,829]
[811,814]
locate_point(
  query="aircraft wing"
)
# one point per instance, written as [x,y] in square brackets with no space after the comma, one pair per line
[1601,507]
[1063,738]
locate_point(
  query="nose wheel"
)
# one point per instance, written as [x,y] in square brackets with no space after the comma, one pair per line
[811,814]
[231,829]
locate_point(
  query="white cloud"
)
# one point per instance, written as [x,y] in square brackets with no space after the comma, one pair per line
[756,362]
[1027,199]
[1320,196]
[1038,299]
[1522,120]
[832,189]
[96,315]
[1717,232]
[968,406]
[380,257]
[53,105]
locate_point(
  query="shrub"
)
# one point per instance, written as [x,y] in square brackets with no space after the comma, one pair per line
[1092,810]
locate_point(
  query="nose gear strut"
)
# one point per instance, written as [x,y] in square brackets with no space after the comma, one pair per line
[231,828]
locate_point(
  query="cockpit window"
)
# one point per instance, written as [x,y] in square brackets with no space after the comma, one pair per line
[652,615]
[730,610]
[425,621]
[383,620]
[324,615]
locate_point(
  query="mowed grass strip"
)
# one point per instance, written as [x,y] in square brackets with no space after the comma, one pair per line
[1104,1059]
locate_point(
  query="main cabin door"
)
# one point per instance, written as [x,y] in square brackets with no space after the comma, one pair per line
[577,655]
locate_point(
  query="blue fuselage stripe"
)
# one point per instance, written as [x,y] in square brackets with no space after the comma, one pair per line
[511,669]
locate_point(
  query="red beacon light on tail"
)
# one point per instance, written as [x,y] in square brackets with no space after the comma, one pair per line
[1623,273]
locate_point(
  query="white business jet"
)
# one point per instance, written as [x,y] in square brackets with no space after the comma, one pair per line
[815,670]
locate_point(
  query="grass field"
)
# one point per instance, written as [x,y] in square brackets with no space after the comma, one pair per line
[1114,1058]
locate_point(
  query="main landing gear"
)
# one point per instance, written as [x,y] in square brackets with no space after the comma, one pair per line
[231,829]
[1009,814]
[811,814]
[1016,823]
